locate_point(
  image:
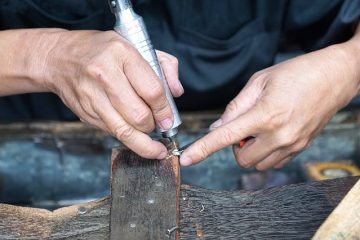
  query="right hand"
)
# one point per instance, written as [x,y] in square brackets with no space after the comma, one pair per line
[108,84]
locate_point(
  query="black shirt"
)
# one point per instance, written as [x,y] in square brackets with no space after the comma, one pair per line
[219,44]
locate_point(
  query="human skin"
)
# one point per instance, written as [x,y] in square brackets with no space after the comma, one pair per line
[98,75]
[282,108]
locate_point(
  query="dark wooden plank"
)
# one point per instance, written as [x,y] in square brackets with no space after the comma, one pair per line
[144,196]
[290,212]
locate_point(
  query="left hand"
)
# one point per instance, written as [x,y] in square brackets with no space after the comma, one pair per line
[283,108]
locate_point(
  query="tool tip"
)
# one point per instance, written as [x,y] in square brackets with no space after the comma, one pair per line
[174,142]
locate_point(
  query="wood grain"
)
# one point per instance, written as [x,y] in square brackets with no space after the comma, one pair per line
[89,221]
[289,212]
[344,221]
[144,196]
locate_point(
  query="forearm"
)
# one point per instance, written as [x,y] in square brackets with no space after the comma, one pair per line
[22,59]
[341,63]
[351,51]
[356,42]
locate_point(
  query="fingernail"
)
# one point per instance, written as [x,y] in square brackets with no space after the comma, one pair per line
[185,161]
[162,155]
[216,124]
[166,124]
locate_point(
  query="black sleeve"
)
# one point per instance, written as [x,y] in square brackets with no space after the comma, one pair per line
[316,24]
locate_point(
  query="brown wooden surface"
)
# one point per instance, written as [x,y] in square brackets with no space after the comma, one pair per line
[289,212]
[344,221]
[88,221]
[144,196]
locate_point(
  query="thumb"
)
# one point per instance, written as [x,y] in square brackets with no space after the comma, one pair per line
[241,104]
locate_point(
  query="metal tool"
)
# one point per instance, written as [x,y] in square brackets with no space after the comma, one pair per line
[179,151]
[132,27]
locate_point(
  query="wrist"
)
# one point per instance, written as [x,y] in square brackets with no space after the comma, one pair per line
[338,68]
[347,59]
[44,43]
[23,60]
[353,49]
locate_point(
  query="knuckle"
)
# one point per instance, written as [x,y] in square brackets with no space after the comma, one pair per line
[111,34]
[274,120]
[116,43]
[286,138]
[261,167]
[123,132]
[301,145]
[88,108]
[243,163]
[203,150]
[96,70]
[132,56]
[174,60]
[85,93]
[142,117]
[232,106]
[226,136]
[120,46]
[157,94]
[260,74]
[150,152]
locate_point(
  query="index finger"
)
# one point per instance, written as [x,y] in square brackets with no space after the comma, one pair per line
[231,133]
[150,88]
[137,141]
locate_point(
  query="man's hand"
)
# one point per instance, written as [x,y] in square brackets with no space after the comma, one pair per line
[99,76]
[283,108]
[108,84]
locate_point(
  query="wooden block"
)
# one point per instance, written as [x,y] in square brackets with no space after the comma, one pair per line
[144,196]
[344,221]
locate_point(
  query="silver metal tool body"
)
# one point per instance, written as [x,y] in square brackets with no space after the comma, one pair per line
[132,27]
